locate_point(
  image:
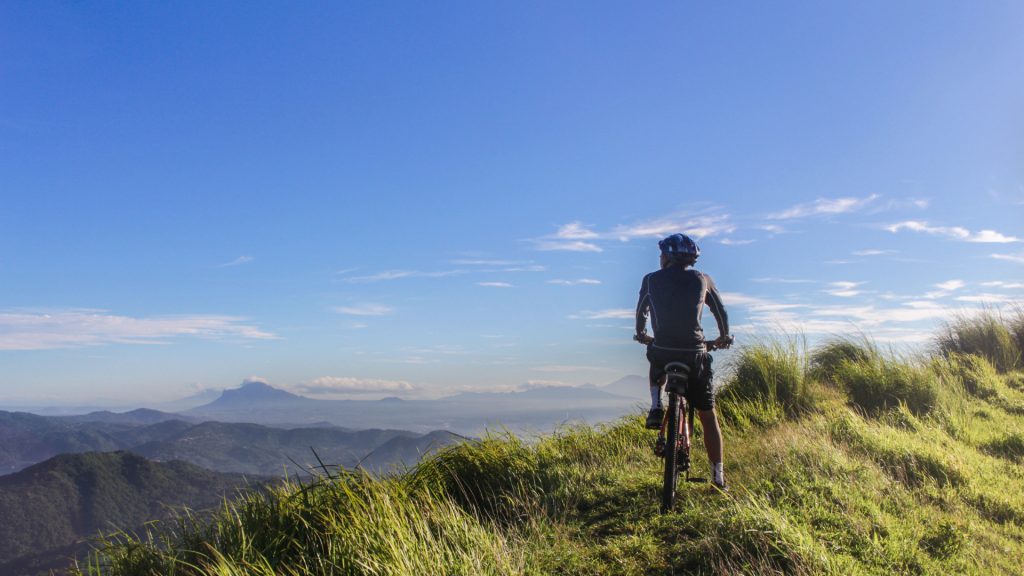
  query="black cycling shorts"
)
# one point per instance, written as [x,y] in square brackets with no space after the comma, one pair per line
[699,389]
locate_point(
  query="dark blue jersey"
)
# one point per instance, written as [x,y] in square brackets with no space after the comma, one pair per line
[675,298]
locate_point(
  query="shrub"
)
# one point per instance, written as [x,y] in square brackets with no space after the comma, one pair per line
[1015,324]
[973,374]
[884,382]
[984,335]
[771,370]
[827,358]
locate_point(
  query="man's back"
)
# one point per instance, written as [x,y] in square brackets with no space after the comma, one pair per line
[675,298]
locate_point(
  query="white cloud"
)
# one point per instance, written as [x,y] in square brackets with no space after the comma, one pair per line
[72,328]
[736,242]
[784,280]
[392,274]
[609,313]
[574,369]
[571,236]
[845,289]
[993,236]
[495,284]
[1003,284]
[697,227]
[754,303]
[944,289]
[365,310]
[487,262]
[575,231]
[343,385]
[1011,257]
[527,269]
[236,261]
[542,383]
[823,206]
[255,379]
[954,232]
[574,282]
[872,252]
[988,299]
[577,246]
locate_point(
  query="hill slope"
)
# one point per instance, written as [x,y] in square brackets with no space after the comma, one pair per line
[67,498]
[255,449]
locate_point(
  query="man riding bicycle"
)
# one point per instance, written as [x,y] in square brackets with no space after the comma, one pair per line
[675,297]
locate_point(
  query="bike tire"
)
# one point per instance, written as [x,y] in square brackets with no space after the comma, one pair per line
[668,495]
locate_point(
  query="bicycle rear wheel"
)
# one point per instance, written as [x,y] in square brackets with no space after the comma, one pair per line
[668,495]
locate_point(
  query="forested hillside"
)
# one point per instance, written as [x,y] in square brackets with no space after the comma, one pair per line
[49,507]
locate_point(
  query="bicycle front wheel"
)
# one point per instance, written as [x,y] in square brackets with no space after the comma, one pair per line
[668,496]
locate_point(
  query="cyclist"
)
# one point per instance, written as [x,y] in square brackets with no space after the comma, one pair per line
[675,297]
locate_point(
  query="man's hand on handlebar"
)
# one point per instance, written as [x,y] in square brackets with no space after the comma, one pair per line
[723,343]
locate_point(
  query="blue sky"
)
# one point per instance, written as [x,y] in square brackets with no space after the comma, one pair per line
[362,199]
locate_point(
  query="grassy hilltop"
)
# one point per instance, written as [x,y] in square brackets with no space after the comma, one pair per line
[848,459]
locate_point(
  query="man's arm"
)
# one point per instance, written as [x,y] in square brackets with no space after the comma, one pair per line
[641,313]
[714,301]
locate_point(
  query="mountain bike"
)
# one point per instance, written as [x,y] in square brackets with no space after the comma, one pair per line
[676,430]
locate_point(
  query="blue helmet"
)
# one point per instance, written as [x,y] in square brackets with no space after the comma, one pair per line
[679,247]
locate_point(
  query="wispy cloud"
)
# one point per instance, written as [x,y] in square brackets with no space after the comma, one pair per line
[392,274]
[331,385]
[736,242]
[574,369]
[609,313]
[576,246]
[1019,258]
[365,310]
[873,252]
[788,281]
[237,261]
[495,284]
[988,299]
[954,232]
[486,262]
[845,289]
[823,207]
[72,328]
[574,282]
[579,237]
[1002,284]
[696,226]
[534,268]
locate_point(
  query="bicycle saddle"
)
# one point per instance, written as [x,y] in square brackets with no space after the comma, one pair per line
[677,367]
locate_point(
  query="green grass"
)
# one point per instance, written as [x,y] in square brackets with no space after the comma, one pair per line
[824,479]
[989,335]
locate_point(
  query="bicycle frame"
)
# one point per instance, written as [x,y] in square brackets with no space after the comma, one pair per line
[673,442]
[674,436]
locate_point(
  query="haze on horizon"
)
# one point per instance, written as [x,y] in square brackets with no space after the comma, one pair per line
[359,201]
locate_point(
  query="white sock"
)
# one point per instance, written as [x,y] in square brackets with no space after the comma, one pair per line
[655,397]
[717,474]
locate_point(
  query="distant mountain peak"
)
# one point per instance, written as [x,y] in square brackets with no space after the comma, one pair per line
[250,395]
[392,399]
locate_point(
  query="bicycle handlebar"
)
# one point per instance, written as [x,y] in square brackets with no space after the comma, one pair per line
[709,343]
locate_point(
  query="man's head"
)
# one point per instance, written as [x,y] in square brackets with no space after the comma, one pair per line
[678,249]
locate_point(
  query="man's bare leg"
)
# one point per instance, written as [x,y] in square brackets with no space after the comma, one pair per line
[713,443]
[712,435]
